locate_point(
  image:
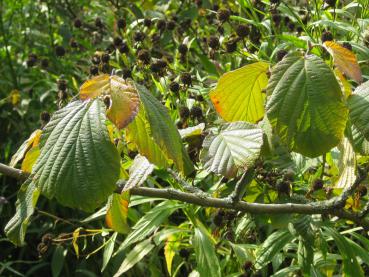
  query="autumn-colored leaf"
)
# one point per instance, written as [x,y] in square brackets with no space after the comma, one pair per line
[116,215]
[125,100]
[345,60]
[239,96]
[31,142]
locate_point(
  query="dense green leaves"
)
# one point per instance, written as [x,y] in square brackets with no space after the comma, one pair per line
[78,164]
[305,105]
[133,257]
[235,147]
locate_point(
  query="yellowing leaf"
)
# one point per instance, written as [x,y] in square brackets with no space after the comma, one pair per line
[169,251]
[30,159]
[32,141]
[74,241]
[116,215]
[238,95]
[125,100]
[345,60]
[345,85]
[347,164]
[94,87]
[14,97]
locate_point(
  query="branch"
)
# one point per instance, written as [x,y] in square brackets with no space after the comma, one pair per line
[203,199]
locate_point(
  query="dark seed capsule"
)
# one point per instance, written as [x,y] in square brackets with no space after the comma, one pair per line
[223,15]
[213,42]
[242,30]
[326,36]
[94,70]
[144,56]
[184,113]
[77,23]
[121,23]
[280,54]
[45,117]
[105,58]
[59,51]
[174,87]
[186,78]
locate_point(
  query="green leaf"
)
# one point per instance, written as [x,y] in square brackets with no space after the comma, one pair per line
[108,251]
[164,131]
[305,105]
[350,264]
[139,133]
[271,246]
[206,258]
[138,172]
[16,228]
[149,222]
[78,164]
[358,104]
[235,147]
[117,212]
[57,260]
[238,95]
[136,255]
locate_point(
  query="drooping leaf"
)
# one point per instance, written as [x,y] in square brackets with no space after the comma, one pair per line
[358,104]
[350,264]
[345,60]
[171,245]
[235,147]
[271,246]
[27,198]
[305,105]
[239,94]
[138,172]
[137,254]
[117,212]
[206,258]
[78,164]
[149,222]
[108,251]
[347,164]
[26,145]
[57,260]
[164,131]
[125,100]
[139,134]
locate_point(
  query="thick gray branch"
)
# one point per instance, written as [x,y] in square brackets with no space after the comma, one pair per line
[202,199]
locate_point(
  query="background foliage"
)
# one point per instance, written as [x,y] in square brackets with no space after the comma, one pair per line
[183,52]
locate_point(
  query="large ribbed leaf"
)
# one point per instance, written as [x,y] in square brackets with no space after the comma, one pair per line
[238,95]
[235,147]
[305,105]
[78,164]
[358,104]
[164,131]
